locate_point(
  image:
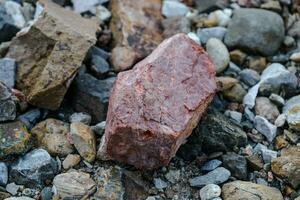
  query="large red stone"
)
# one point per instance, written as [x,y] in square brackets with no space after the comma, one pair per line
[155,106]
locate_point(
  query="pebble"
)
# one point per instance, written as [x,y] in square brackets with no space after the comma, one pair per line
[268,155]
[265,108]
[3,174]
[289,41]
[221,17]
[19,198]
[33,169]
[235,93]
[8,72]
[219,54]
[12,188]
[87,5]
[80,117]
[160,184]
[292,111]
[280,121]
[225,82]
[8,107]
[194,37]
[234,115]
[214,32]
[174,8]
[30,118]
[236,164]
[46,193]
[276,99]
[232,70]
[99,128]
[173,176]
[210,191]
[265,127]
[249,76]
[70,161]
[211,165]
[99,66]
[102,13]
[217,176]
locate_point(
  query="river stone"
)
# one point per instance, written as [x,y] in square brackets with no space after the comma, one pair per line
[249,76]
[264,36]
[287,166]
[3,174]
[34,169]
[213,32]
[265,108]
[14,139]
[142,126]
[50,53]
[74,185]
[8,109]
[30,118]
[218,176]
[8,72]
[218,53]
[173,9]
[52,135]
[133,38]
[210,192]
[174,25]
[239,190]
[265,127]
[236,164]
[292,111]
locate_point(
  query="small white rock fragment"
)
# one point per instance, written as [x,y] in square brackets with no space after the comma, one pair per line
[210,191]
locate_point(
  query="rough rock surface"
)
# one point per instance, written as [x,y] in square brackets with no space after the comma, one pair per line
[242,190]
[264,36]
[7,105]
[136,38]
[292,111]
[50,53]
[7,72]
[143,127]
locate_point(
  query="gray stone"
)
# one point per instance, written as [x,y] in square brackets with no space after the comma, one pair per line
[33,169]
[232,70]
[219,54]
[265,108]
[268,155]
[46,193]
[173,176]
[210,191]
[30,118]
[99,128]
[91,95]
[264,36]
[7,105]
[218,133]
[234,115]
[173,8]
[174,25]
[12,188]
[292,111]
[80,117]
[259,148]
[19,198]
[236,164]
[86,5]
[265,127]
[294,31]
[214,32]
[160,184]
[8,72]
[218,176]
[280,120]
[95,51]
[3,174]
[210,5]
[99,66]
[277,99]
[210,165]
[249,76]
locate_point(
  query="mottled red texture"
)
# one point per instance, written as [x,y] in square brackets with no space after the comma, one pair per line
[155,106]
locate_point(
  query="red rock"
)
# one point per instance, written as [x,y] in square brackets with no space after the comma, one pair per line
[155,106]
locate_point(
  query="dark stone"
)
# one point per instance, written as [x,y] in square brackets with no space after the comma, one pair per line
[33,169]
[236,164]
[210,165]
[99,66]
[95,51]
[210,5]
[30,118]
[7,105]
[7,27]
[91,95]
[46,193]
[8,72]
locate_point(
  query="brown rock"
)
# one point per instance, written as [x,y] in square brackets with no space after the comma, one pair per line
[238,57]
[265,108]
[52,135]
[136,28]
[225,83]
[287,166]
[84,140]
[155,106]
[70,161]
[50,53]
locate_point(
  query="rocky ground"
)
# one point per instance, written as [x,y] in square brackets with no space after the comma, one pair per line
[57,70]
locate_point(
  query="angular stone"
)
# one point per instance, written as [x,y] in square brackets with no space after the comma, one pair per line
[30,118]
[91,95]
[33,169]
[80,117]
[3,174]
[8,107]
[50,53]
[136,29]
[218,176]
[74,185]
[142,127]
[264,37]
[239,190]
[8,72]
[292,111]
[236,164]
[265,108]
[173,9]
[70,161]
[287,166]
[265,127]
[211,165]
[52,135]
[84,140]
[14,139]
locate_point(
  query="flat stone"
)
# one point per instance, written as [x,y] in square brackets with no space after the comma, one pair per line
[268,155]
[236,164]
[249,76]
[151,134]
[218,53]
[277,99]
[14,139]
[225,82]
[234,115]
[99,66]
[238,57]
[287,166]
[235,93]
[210,191]
[255,37]
[8,72]
[247,190]
[223,135]
[217,176]
[280,120]
[159,183]
[133,38]
[52,135]
[265,108]
[74,185]
[30,118]
[174,8]
[211,165]
[80,117]
[292,111]
[33,169]
[213,32]
[8,107]
[12,188]
[50,53]
[70,161]
[3,174]
[265,127]
[84,140]
[91,95]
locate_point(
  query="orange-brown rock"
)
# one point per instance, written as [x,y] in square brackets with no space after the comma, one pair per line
[136,28]
[50,53]
[155,106]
